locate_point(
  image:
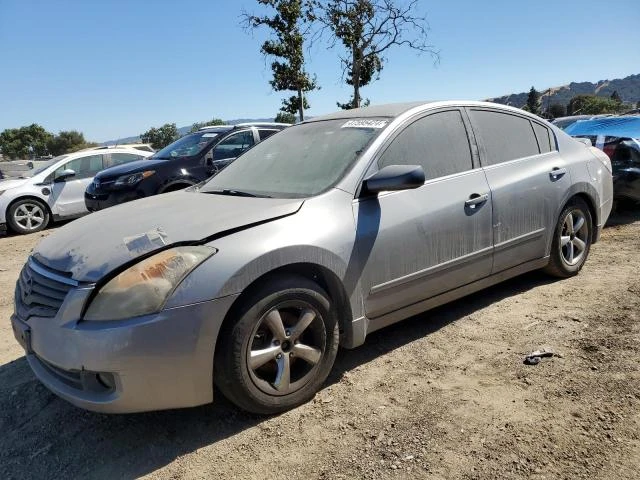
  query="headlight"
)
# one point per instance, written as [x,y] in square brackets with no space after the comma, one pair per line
[143,288]
[134,178]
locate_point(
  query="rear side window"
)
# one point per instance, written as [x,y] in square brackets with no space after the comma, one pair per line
[266,133]
[438,143]
[505,137]
[120,158]
[544,137]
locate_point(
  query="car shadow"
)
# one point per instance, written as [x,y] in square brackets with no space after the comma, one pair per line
[45,437]
[624,214]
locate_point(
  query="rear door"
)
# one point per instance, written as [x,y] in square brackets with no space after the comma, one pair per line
[422,242]
[67,196]
[528,179]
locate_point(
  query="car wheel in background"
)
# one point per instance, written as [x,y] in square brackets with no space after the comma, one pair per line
[279,347]
[571,240]
[28,216]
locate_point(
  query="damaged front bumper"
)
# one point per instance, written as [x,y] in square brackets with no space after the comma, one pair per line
[154,362]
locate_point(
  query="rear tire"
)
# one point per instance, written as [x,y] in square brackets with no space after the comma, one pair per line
[278,348]
[28,216]
[571,240]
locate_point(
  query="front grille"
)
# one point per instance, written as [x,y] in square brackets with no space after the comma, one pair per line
[40,291]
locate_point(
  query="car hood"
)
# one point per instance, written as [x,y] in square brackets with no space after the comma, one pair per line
[131,167]
[93,246]
[8,183]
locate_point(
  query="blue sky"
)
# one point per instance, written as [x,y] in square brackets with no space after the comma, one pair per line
[114,68]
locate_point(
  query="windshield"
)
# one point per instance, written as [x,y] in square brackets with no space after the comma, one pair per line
[187,146]
[40,167]
[300,161]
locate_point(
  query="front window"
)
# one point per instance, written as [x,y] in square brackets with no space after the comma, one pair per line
[187,146]
[44,166]
[301,161]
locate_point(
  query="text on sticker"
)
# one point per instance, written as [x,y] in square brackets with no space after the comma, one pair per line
[365,124]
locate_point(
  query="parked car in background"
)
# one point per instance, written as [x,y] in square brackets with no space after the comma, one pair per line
[564,122]
[186,162]
[55,190]
[619,138]
[145,147]
[332,229]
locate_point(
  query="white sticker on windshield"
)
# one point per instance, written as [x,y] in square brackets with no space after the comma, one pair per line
[209,135]
[365,124]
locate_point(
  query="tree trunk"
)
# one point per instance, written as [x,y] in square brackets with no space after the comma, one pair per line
[301,104]
[356,76]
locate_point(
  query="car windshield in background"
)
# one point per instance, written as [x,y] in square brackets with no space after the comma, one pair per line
[187,146]
[301,161]
[43,166]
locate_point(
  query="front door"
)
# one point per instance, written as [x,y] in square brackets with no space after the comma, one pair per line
[67,195]
[416,244]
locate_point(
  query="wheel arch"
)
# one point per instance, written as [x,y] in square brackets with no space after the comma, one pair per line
[29,197]
[175,186]
[317,273]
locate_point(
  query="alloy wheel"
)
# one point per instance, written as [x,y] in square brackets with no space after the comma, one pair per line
[574,237]
[29,216]
[286,348]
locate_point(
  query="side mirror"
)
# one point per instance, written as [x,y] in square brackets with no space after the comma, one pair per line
[63,175]
[395,177]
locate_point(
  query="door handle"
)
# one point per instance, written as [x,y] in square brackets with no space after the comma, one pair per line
[476,199]
[557,172]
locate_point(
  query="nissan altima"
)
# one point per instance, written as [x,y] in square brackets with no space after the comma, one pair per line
[316,237]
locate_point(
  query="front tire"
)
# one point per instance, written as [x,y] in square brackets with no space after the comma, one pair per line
[571,240]
[278,348]
[28,216]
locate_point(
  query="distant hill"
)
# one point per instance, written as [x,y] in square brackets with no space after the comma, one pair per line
[183,130]
[628,88]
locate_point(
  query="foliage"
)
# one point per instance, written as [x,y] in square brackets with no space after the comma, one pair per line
[367,30]
[287,25]
[67,142]
[285,117]
[557,110]
[214,121]
[24,142]
[592,105]
[533,100]
[615,96]
[160,137]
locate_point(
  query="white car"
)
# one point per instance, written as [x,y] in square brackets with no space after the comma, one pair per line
[55,190]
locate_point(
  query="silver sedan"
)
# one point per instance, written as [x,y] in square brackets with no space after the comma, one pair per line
[323,233]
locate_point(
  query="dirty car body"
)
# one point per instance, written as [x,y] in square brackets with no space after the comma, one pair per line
[398,209]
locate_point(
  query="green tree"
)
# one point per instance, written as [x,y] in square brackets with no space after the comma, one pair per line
[160,137]
[367,30]
[214,121]
[285,117]
[557,110]
[533,100]
[288,25]
[24,142]
[67,142]
[593,105]
[615,96]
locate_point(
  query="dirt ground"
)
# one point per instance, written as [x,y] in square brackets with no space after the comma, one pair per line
[443,395]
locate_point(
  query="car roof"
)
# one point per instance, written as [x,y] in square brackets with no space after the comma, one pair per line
[393,110]
[225,128]
[82,153]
